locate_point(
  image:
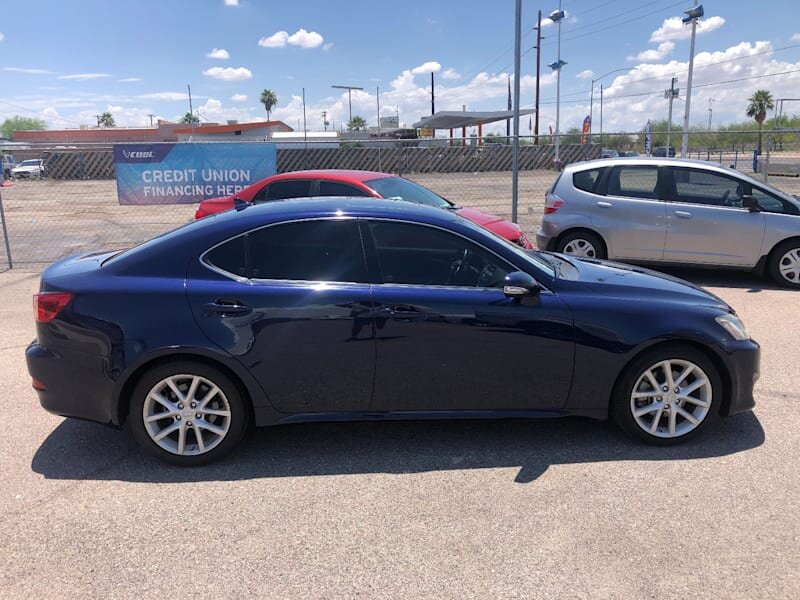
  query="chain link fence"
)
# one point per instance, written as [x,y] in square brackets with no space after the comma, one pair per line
[74,207]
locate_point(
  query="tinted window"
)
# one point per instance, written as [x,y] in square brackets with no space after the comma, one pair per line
[308,251]
[335,188]
[421,255]
[229,256]
[587,180]
[634,182]
[705,187]
[283,190]
[403,189]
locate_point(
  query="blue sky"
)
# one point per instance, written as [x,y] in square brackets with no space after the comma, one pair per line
[65,62]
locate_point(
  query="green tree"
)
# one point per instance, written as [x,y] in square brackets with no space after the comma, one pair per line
[189,119]
[269,99]
[106,120]
[17,123]
[357,124]
[758,105]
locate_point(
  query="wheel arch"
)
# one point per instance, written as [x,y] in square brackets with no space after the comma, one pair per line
[580,229]
[126,386]
[794,238]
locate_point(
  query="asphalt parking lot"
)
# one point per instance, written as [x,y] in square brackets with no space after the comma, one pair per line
[533,509]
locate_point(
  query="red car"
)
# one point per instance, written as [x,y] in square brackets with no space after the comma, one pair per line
[334,182]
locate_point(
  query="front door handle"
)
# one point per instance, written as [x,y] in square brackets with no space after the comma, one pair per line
[227,307]
[604,204]
[682,214]
[403,313]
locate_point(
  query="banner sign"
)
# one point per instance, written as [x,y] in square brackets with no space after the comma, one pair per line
[648,139]
[587,125]
[184,173]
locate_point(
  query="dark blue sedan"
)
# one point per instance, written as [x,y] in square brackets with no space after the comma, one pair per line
[327,309]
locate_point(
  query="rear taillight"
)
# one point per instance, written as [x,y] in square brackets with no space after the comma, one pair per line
[47,305]
[552,203]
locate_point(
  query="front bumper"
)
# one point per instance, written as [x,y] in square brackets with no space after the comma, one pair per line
[75,385]
[743,361]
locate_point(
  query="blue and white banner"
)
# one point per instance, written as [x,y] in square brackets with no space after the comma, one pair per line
[648,139]
[189,172]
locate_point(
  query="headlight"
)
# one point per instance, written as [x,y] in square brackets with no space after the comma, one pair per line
[733,325]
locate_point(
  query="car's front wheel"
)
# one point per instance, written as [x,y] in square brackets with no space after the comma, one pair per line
[582,243]
[187,413]
[667,395]
[784,264]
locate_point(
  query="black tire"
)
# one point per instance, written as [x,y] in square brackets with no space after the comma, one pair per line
[594,246]
[780,255]
[622,401]
[207,426]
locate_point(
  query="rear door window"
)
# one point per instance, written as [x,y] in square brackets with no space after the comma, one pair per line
[634,181]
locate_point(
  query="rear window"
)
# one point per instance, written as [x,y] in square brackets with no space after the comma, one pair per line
[587,180]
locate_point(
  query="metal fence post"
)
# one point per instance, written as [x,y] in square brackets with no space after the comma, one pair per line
[5,233]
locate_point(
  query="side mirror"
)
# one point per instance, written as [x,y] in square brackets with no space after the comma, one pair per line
[518,285]
[749,202]
[239,204]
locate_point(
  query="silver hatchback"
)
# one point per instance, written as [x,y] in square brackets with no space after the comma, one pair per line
[673,211]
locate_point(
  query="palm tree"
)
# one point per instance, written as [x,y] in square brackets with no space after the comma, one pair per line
[189,119]
[356,124]
[269,99]
[759,104]
[106,120]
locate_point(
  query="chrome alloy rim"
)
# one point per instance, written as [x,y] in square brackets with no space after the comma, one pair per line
[186,415]
[789,266]
[671,398]
[580,247]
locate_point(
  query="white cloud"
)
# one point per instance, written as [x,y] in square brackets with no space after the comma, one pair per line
[306,39]
[674,29]
[2,36]
[451,74]
[429,67]
[229,73]
[130,80]
[84,76]
[796,37]
[655,54]
[587,74]
[168,96]
[27,71]
[327,46]
[239,98]
[219,53]
[231,2]
[300,38]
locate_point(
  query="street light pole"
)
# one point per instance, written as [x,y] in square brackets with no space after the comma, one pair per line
[591,100]
[557,16]
[692,16]
[349,89]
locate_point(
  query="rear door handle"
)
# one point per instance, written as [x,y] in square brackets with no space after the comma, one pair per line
[227,307]
[682,214]
[603,204]
[402,313]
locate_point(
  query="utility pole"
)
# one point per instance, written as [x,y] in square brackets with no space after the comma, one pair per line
[508,108]
[98,119]
[151,119]
[670,94]
[325,119]
[433,96]
[349,89]
[710,112]
[538,68]
[515,148]
[693,15]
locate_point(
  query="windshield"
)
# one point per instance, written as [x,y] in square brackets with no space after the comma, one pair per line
[403,189]
[29,163]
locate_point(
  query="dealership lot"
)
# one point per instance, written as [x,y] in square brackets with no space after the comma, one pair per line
[517,509]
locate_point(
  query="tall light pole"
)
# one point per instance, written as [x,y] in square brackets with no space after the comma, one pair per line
[692,16]
[710,112]
[591,98]
[670,95]
[556,17]
[349,89]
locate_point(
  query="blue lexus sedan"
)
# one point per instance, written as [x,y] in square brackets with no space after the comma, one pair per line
[332,309]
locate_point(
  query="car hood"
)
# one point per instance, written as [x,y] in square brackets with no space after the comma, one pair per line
[497,224]
[26,168]
[631,282]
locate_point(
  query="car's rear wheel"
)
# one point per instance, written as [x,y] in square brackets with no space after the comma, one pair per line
[784,264]
[187,413]
[582,243]
[667,395]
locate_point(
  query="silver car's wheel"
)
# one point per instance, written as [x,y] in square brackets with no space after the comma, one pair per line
[584,244]
[789,266]
[186,415]
[671,398]
[580,247]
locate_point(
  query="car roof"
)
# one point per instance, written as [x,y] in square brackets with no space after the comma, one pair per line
[333,175]
[645,160]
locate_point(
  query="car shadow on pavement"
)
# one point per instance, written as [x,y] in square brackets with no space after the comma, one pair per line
[85,451]
[751,282]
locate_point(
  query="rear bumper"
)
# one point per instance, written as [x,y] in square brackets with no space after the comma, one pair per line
[545,242]
[743,361]
[75,386]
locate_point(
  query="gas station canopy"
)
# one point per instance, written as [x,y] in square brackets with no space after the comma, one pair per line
[452,119]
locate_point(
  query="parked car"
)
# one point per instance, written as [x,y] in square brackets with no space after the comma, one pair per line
[609,153]
[367,184]
[362,309]
[673,211]
[28,169]
[8,162]
[629,153]
[663,151]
